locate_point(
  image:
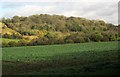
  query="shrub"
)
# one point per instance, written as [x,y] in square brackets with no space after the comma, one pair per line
[69,41]
[22,42]
[4,44]
[76,38]
[96,36]
[12,44]
[118,39]
[7,36]
[12,36]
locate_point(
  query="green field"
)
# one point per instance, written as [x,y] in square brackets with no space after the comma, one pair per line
[98,58]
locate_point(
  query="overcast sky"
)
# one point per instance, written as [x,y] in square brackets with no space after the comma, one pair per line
[106,10]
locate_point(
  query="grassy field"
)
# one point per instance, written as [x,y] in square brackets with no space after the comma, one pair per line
[99,58]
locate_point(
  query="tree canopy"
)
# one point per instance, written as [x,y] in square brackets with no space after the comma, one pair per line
[56,29]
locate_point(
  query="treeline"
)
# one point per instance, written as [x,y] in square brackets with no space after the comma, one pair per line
[56,29]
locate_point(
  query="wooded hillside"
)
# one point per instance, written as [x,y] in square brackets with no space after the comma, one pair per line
[55,29]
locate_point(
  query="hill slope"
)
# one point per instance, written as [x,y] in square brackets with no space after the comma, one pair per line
[55,29]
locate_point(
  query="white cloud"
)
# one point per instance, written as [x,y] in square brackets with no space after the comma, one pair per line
[30,10]
[70,13]
[92,9]
[59,0]
[106,11]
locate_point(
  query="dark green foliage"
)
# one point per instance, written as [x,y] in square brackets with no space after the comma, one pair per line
[13,36]
[74,27]
[52,22]
[76,38]
[97,36]
[22,43]
[15,19]
[4,44]
[12,44]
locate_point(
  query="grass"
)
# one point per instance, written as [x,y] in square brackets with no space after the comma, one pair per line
[8,40]
[68,59]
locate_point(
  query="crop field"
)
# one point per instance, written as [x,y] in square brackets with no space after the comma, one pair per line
[98,58]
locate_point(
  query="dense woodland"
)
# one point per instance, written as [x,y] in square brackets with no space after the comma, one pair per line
[47,29]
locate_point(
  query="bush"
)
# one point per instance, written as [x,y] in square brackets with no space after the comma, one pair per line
[105,38]
[40,41]
[22,42]
[69,41]
[12,44]
[60,41]
[96,37]
[13,36]
[4,44]
[74,27]
[7,36]
[75,38]
[79,40]
[118,39]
